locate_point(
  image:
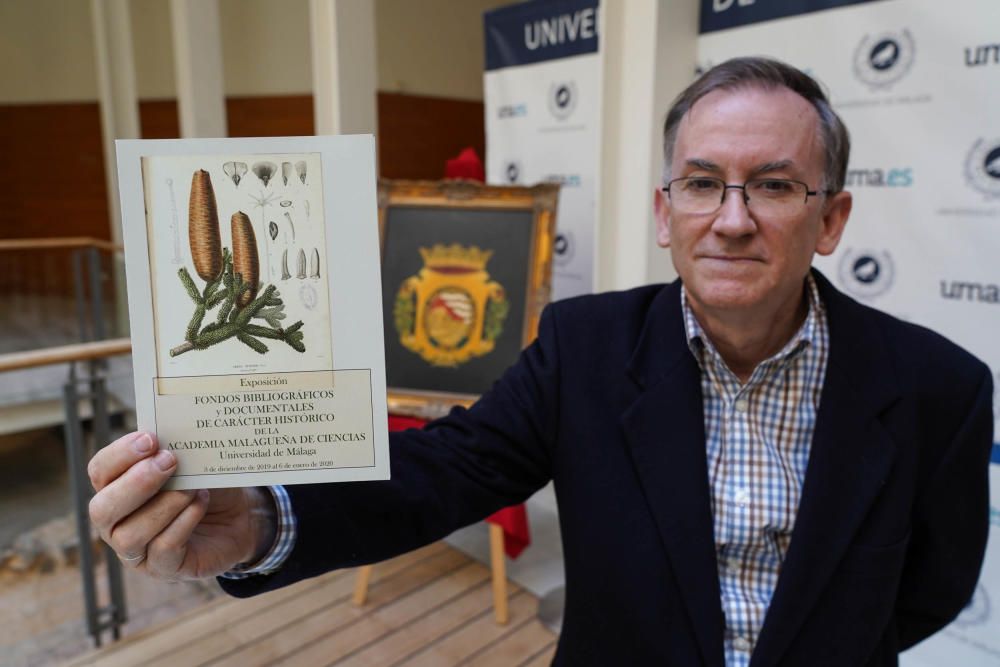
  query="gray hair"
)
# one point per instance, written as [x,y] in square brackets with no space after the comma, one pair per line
[768,74]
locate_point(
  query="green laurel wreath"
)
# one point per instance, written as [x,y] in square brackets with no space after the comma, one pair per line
[493,318]
[404,312]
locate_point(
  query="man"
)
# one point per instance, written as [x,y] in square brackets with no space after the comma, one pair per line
[751,468]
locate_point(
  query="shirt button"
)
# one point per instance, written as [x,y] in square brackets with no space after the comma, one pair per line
[741,405]
[742,497]
[742,644]
[733,565]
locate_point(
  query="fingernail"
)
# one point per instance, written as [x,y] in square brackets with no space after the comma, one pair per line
[203,494]
[143,444]
[164,460]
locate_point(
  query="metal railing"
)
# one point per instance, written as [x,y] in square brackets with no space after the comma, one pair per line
[94,389]
[86,384]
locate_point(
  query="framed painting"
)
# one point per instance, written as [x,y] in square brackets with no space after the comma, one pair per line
[466,271]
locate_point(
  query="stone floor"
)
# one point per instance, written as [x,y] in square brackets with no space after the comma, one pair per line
[42,612]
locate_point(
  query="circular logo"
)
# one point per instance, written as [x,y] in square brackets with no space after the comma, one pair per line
[991,165]
[884,59]
[512,172]
[977,611]
[884,55]
[563,248]
[448,317]
[982,167]
[866,273]
[562,99]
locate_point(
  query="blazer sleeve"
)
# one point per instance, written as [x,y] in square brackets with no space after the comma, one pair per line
[454,472]
[949,529]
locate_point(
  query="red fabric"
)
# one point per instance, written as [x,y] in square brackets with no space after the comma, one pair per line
[466,165]
[513,519]
[516,534]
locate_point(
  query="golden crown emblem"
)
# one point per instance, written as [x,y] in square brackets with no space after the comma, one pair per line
[455,256]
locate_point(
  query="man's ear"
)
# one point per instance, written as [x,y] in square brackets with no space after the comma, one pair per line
[835,214]
[661,208]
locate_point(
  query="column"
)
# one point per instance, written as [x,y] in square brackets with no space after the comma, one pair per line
[201,98]
[648,48]
[343,66]
[119,106]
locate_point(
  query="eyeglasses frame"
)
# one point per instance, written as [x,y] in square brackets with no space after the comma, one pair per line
[743,187]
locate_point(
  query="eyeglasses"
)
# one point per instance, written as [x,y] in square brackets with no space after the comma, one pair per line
[770,197]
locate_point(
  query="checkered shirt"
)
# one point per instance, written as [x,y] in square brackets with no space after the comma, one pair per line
[757,441]
[283,542]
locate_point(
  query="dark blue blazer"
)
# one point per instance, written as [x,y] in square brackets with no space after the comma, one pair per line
[890,532]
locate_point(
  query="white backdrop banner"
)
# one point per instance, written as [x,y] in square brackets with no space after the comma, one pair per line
[918,84]
[542,103]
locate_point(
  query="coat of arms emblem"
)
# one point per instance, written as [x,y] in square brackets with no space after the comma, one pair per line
[451,311]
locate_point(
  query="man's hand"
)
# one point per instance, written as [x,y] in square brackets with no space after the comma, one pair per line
[173,534]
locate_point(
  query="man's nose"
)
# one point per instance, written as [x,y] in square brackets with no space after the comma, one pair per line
[733,218]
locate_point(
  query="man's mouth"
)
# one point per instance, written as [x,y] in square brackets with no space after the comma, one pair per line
[731,258]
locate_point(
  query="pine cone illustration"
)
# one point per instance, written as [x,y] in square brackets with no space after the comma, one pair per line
[245,262]
[203,227]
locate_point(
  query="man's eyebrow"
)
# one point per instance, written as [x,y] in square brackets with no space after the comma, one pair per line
[777,165]
[699,163]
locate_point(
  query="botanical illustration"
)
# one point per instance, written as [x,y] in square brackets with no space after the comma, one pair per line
[256,282]
[233,293]
[451,311]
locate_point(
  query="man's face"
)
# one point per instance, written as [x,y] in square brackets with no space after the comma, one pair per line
[733,261]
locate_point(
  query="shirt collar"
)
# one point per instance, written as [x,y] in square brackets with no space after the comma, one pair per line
[699,343]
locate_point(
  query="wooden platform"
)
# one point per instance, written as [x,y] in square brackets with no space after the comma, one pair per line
[429,607]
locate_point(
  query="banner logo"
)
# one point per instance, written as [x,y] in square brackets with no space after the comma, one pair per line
[563,248]
[565,180]
[966,290]
[978,611]
[557,30]
[983,54]
[562,99]
[884,59]
[982,167]
[512,110]
[896,177]
[512,172]
[723,5]
[866,273]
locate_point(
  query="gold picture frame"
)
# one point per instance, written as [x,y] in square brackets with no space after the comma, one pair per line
[466,272]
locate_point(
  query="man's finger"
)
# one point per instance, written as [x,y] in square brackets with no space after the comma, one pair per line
[130,537]
[168,550]
[130,491]
[111,461]
[132,560]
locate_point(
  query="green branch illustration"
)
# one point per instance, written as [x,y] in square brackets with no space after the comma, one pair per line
[231,282]
[231,320]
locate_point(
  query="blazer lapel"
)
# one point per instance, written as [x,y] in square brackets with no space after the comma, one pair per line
[665,432]
[850,458]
